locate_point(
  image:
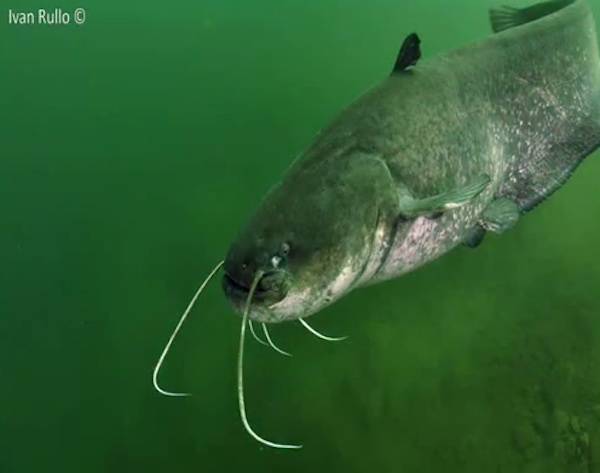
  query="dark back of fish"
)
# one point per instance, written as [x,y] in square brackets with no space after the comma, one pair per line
[547,98]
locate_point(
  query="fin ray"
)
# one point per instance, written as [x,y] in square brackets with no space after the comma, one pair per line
[500,215]
[429,206]
[506,17]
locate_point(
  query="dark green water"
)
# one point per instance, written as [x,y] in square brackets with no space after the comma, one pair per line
[133,148]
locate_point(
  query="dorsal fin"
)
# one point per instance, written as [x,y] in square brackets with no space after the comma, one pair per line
[409,54]
[505,17]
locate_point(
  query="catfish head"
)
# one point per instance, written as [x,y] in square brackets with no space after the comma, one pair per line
[313,238]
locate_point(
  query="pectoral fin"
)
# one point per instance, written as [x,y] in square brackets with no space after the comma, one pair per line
[429,206]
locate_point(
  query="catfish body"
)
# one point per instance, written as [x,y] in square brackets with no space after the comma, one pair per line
[434,156]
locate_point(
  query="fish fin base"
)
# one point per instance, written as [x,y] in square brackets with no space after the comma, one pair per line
[500,215]
[410,53]
[505,17]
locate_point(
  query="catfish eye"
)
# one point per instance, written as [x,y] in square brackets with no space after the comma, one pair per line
[281,256]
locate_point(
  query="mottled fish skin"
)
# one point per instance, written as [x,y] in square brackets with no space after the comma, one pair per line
[515,107]
[492,108]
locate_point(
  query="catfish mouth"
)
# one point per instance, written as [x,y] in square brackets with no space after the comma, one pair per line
[237,290]
[271,288]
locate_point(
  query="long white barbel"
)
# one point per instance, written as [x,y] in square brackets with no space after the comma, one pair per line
[320,335]
[176,331]
[241,402]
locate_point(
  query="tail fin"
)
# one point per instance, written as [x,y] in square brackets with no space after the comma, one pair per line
[506,17]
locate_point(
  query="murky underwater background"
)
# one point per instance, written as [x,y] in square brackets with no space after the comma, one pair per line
[133,148]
